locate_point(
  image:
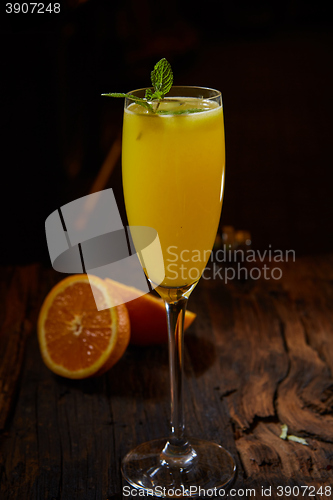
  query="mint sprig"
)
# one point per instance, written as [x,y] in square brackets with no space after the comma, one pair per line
[161,79]
[179,111]
[138,100]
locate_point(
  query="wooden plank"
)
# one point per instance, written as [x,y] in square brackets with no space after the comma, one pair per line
[271,461]
[18,442]
[255,357]
[246,312]
[15,328]
[305,396]
[60,438]
[251,351]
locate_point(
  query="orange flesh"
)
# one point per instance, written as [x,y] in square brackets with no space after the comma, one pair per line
[78,332]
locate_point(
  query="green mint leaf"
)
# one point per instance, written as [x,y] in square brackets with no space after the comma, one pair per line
[157,95]
[179,111]
[137,100]
[149,95]
[284,431]
[297,439]
[284,435]
[161,78]
[116,94]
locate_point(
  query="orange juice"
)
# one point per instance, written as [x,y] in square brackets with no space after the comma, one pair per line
[173,179]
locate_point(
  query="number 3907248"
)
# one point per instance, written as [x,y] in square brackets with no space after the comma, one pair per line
[32,8]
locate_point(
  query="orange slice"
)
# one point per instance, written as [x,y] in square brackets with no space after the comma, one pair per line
[76,340]
[147,314]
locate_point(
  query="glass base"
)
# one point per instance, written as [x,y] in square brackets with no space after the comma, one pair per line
[152,468]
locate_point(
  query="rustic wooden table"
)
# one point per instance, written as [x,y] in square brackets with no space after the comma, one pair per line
[259,354]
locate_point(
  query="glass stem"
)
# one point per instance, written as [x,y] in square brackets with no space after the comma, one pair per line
[176,315]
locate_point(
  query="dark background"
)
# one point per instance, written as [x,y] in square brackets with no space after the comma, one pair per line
[272,61]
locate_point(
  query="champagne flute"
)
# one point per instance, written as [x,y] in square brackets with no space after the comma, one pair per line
[173,165]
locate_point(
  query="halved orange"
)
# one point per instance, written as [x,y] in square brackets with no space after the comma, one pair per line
[76,340]
[147,314]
